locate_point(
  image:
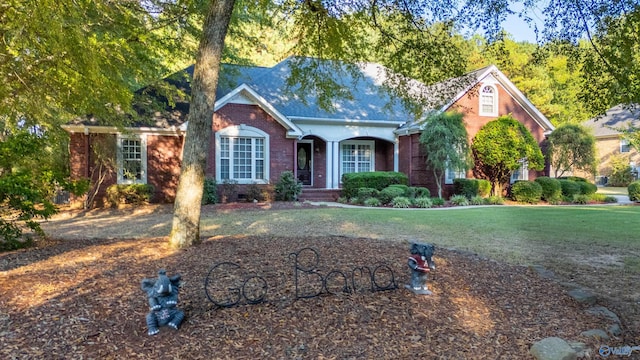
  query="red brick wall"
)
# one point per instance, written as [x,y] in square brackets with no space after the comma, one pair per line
[281,149]
[469,105]
[412,158]
[78,155]
[384,155]
[164,156]
[412,163]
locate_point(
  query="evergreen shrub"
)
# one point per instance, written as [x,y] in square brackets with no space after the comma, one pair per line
[209,191]
[367,193]
[288,187]
[525,191]
[421,192]
[389,193]
[551,188]
[587,188]
[471,187]
[378,180]
[634,191]
[569,188]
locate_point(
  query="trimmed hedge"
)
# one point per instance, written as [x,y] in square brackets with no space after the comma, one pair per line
[471,187]
[366,193]
[526,191]
[573,178]
[587,188]
[377,179]
[551,188]
[569,188]
[389,193]
[422,192]
[634,191]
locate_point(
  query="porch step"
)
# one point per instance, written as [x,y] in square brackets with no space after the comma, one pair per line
[310,194]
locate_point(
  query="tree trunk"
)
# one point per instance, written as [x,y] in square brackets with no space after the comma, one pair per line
[438,179]
[186,212]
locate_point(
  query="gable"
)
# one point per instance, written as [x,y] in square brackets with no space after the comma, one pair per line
[510,101]
[245,95]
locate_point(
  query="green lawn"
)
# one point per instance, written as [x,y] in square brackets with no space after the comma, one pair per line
[597,247]
[518,234]
[609,190]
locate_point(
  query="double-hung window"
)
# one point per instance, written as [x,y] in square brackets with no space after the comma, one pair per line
[624,146]
[357,156]
[488,101]
[242,155]
[451,173]
[522,173]
[132,159]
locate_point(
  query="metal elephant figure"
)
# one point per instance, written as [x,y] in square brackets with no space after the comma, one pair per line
[421,263]
[163,300]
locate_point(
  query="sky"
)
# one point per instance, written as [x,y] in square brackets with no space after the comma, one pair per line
[520,30]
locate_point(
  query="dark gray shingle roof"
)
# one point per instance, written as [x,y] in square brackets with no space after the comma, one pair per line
[616,120]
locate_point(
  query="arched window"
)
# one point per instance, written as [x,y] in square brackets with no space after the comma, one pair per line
[242,154]
[489,101]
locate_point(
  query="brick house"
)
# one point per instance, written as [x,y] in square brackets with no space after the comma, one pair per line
[610,143]
[262,128]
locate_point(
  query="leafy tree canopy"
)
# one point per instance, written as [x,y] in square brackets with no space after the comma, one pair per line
[446,145]
[500,147]
[571,147]
[67,58]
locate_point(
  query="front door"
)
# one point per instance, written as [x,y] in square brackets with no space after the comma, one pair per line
[304,162]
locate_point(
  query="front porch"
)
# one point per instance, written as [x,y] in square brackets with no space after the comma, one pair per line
[319,164]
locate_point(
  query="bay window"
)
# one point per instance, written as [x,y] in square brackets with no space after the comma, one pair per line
[242,155]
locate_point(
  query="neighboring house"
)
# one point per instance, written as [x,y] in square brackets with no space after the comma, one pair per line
[610,143]
[261,128]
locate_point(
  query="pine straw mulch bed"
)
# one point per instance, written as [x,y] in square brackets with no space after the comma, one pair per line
[82,299]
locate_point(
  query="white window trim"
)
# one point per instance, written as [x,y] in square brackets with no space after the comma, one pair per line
[523,171]
[623,143]
[243,131]
[495,101]
[456,175]
[371,143]
[120,159]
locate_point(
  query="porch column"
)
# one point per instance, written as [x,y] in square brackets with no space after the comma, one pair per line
[396,154]
[336,164]
[329,161]
[295,158]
